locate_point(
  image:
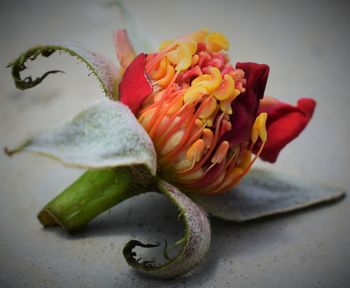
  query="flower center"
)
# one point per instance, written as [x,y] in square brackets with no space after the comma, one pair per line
[189,111]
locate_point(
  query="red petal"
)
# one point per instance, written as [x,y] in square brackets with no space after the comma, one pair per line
[246,105]
[256,75]
[284,123]
[135,87]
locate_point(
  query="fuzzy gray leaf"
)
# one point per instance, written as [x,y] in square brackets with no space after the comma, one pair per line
[104,135]
[196,239]
[264,193]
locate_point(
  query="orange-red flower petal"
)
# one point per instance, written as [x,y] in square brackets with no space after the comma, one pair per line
[135,87]
[284,123]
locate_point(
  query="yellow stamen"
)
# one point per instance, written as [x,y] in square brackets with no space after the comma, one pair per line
[192,46]
[172,56]
[195,59]
[185,56]
[200,79]
[209,122]
[170,72]
[195,152]
[210,82]
[199,36]
[182,164]
[208,153]
[220,152]
[225,105]
[246,159]
[165,44]
[175,105]
[197,131]
[182,56]
[245,170]
[208,137]
[163,124]
[216,42]
[174,127]
[259,128]
[193,176]
[161,70]
[173,141]
[146,117]
[207,107]
[226,89]
[193,38]
[194,94]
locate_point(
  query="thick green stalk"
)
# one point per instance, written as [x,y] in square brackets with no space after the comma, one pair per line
[91,194]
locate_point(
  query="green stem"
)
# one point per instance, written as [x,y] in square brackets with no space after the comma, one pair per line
[93,193]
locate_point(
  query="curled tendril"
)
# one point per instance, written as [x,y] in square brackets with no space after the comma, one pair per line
[130,256]
[103,69]
[195,243]
[19,66]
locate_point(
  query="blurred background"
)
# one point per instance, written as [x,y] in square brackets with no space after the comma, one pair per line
[305,43]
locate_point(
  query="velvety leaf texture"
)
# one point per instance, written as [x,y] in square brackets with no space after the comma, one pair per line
[264,193]
[196,239]
[104,135]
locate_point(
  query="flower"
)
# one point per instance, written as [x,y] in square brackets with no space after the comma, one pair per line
[205,116]
[207,119]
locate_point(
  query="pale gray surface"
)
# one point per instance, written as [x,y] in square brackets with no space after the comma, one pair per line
[306,43]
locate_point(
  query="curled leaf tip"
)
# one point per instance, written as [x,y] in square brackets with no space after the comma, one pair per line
[19,66]
[8,151]
[12,151]
[103,69]
[131,257]
[195,243]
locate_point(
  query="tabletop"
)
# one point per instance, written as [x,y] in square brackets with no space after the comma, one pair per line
[306,45]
